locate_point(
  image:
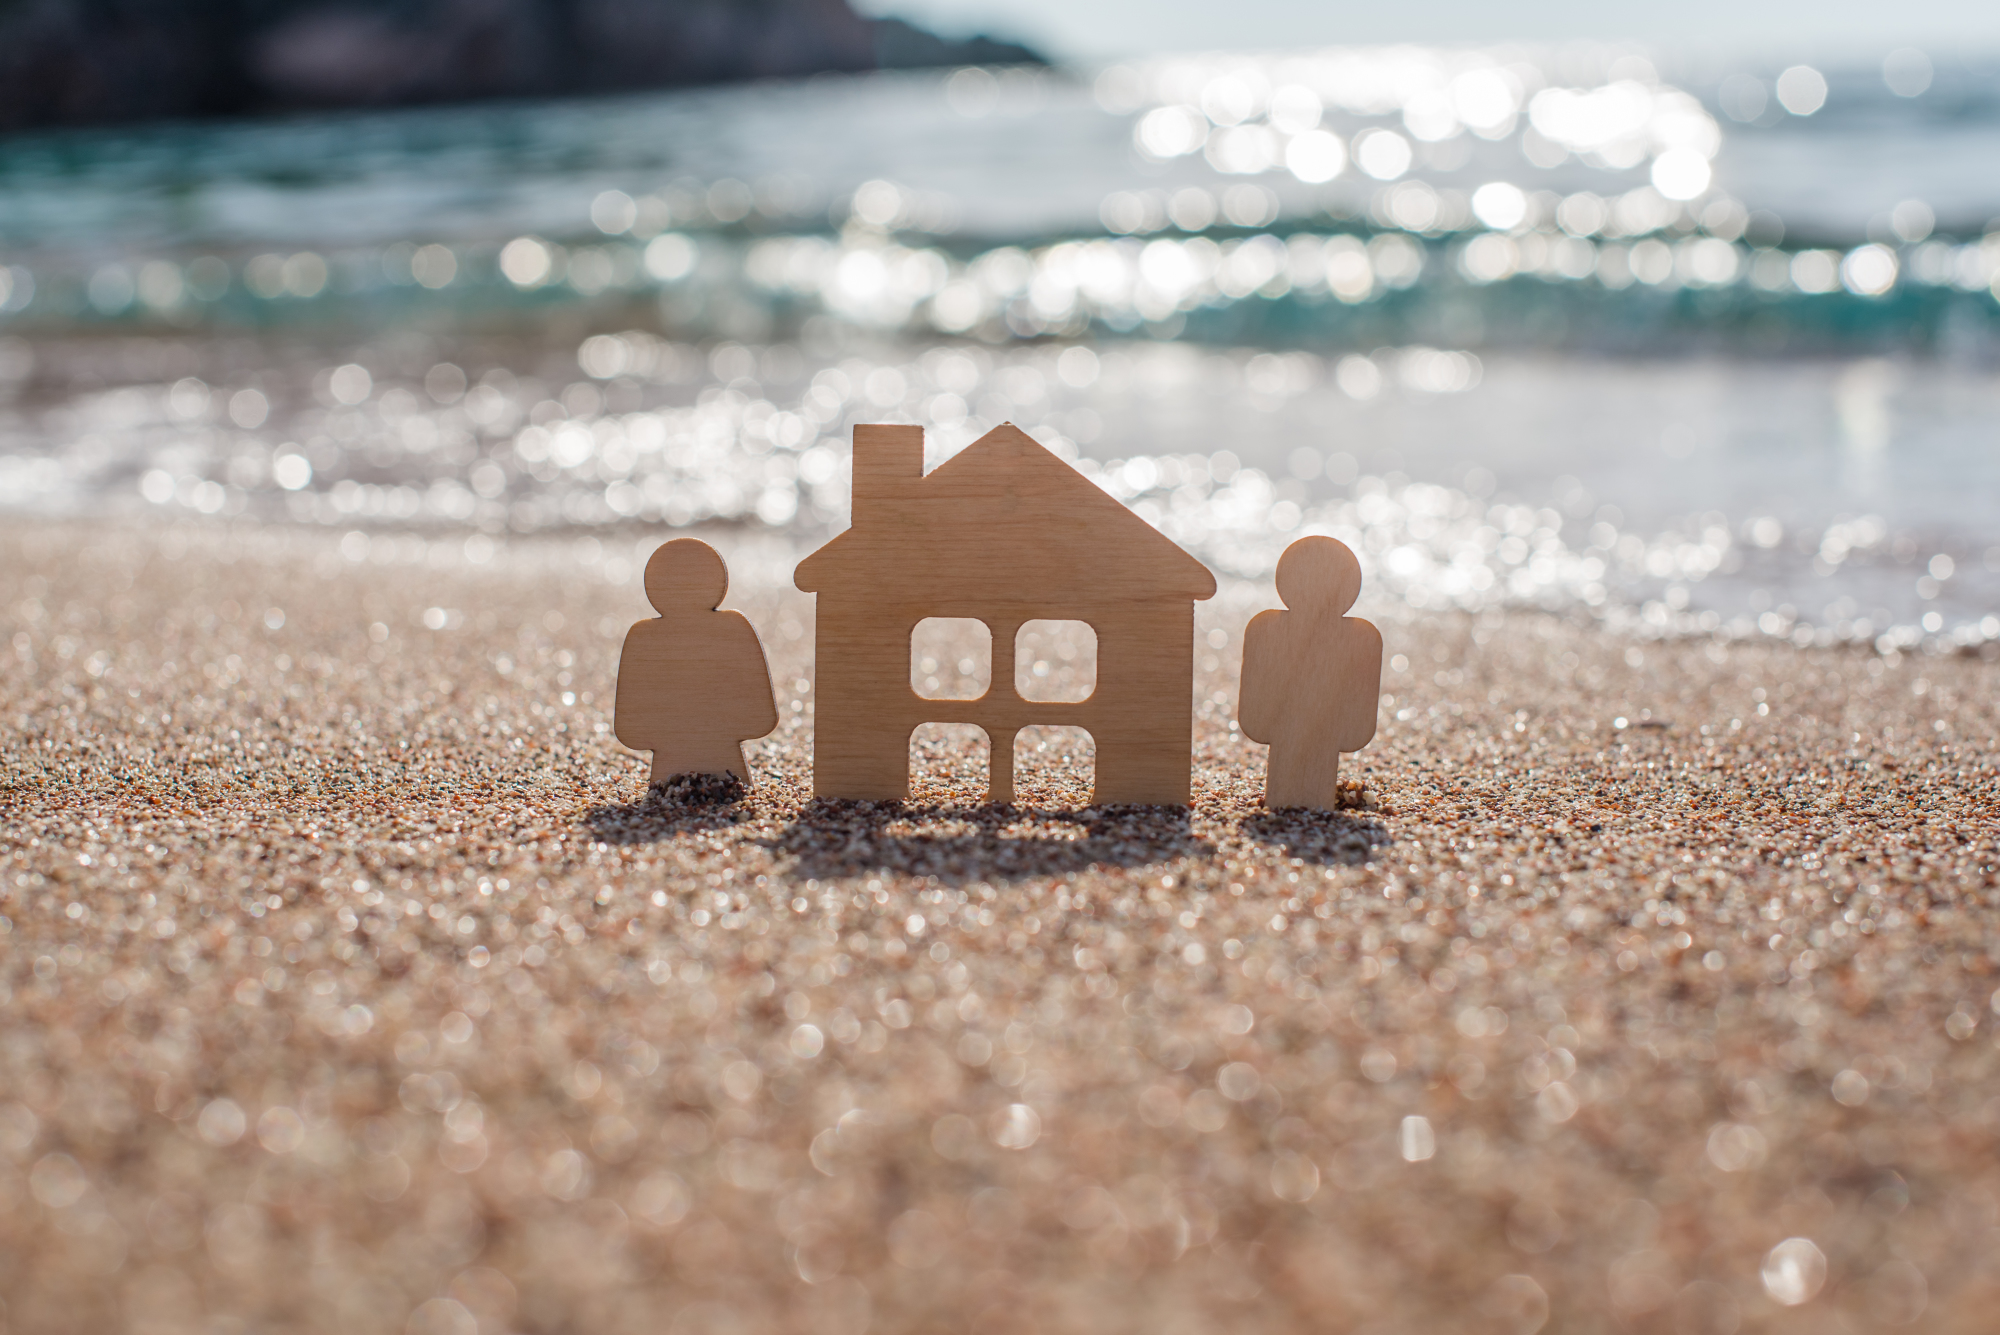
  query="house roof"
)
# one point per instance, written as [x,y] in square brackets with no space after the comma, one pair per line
[1006,512]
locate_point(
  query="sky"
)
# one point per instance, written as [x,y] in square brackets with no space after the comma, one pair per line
[1098,30]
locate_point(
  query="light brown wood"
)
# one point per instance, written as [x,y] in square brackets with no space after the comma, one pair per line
[1311,675]
[1004,532]
[693,685]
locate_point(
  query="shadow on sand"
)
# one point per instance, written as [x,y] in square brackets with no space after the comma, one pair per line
[682,804]
[954,844]
[1321,838]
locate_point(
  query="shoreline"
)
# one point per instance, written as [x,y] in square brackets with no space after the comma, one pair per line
[1570,1032]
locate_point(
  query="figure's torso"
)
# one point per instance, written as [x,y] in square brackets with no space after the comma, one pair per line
[1310,681]
[702,679]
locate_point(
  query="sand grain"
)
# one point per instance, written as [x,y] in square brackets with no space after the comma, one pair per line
[351,982]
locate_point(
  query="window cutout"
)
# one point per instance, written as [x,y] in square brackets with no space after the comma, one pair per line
[950,765]
[1055,660]
[951,658]
[1055,768]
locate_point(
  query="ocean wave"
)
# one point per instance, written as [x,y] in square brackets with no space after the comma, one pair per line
[637,434]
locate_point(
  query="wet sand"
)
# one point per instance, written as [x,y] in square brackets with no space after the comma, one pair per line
[351,981]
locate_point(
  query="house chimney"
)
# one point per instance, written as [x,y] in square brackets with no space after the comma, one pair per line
[888,462]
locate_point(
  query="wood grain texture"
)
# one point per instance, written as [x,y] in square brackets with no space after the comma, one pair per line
[1004,532]
[1311,675]
[693,685]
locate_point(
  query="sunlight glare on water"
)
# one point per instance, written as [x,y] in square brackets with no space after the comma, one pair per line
[1250,296]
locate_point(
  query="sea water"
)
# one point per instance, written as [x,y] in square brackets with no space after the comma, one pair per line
[1696,351]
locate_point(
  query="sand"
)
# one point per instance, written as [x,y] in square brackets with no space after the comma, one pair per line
[350,981]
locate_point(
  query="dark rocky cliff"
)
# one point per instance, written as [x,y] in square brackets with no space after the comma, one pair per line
[68,62]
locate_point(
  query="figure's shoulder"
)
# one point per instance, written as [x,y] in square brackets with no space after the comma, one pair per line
[1265,622]
[643,633]
[1361,634]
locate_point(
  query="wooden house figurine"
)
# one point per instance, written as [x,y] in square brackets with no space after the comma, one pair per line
[1004,532]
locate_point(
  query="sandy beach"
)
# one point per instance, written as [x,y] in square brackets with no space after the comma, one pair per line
[350,981]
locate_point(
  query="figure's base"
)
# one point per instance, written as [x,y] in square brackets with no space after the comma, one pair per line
[699,790]
[1350,795]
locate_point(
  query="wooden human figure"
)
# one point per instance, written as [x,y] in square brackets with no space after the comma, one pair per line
[1311,675]
[693,685]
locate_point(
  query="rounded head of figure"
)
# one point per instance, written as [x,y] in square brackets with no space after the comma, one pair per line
[686,575]
[1319,574]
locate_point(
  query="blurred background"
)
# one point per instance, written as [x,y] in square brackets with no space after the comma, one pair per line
[1682,318]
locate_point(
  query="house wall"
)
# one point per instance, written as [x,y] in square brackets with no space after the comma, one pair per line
[1140,714]
[1143,708]
[861,721]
